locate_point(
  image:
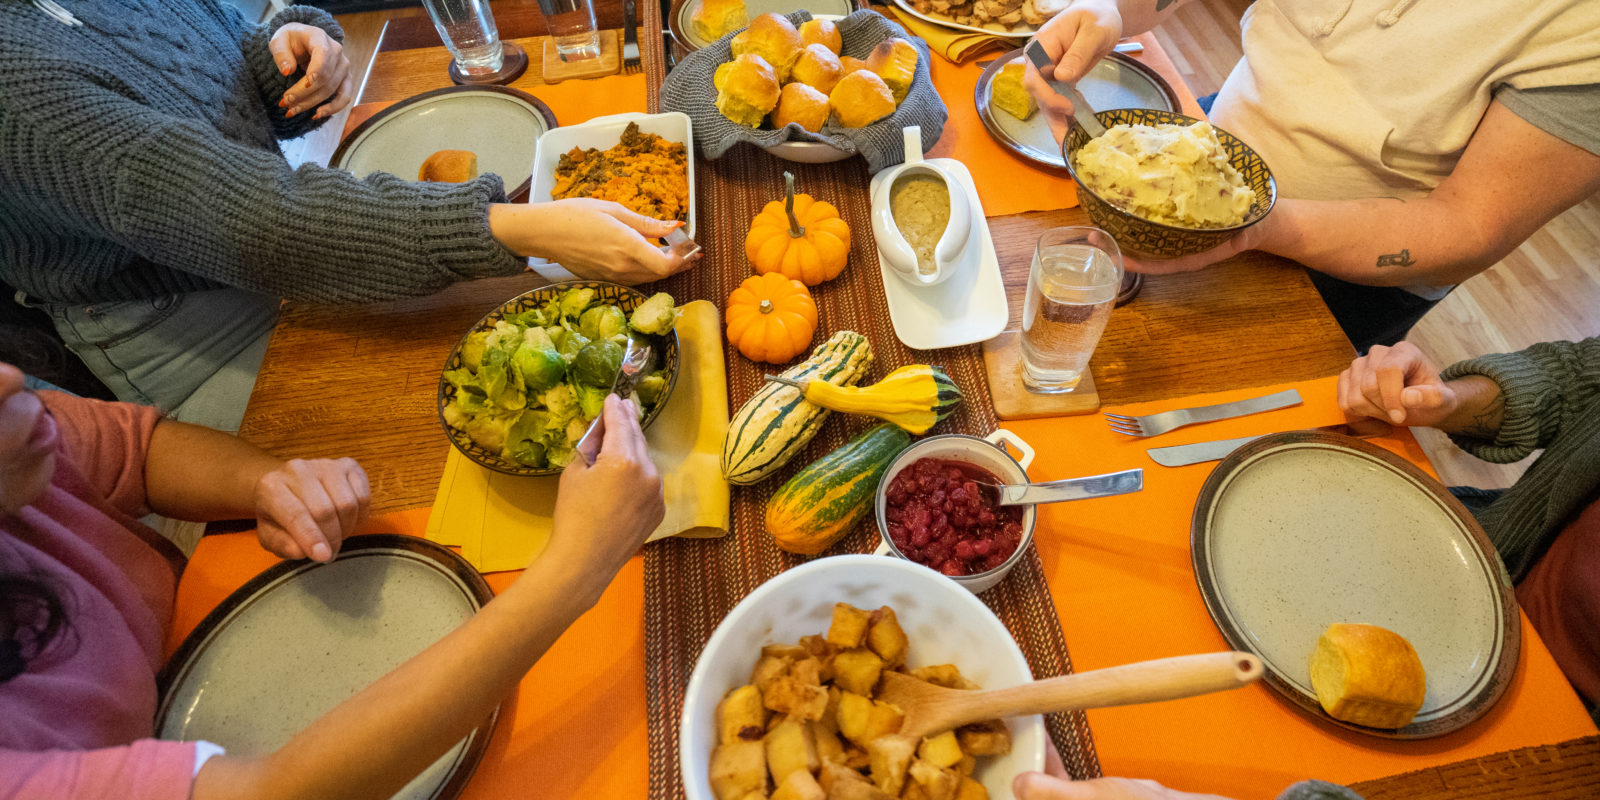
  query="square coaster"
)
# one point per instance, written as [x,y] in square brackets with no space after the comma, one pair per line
[1002,358]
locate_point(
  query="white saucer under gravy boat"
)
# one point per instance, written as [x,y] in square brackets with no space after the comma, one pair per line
[949,254]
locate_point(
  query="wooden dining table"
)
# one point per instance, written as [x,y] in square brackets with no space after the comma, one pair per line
[360,381]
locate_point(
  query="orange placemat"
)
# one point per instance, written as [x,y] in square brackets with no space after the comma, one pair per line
[1124,589]
[576,725]
[571,101]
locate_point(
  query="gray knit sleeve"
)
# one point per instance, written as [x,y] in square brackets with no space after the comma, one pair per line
[269,81]
[1543,388]
[1318,790]
[183,196]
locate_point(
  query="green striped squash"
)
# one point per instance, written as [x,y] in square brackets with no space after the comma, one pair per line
[823,501]
[778,421]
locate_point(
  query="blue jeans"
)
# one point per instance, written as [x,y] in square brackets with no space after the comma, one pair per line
[194,356]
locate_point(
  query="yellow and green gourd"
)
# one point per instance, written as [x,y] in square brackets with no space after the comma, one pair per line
[914,398]
[822,502]
[778,421]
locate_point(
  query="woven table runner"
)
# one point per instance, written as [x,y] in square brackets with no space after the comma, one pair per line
[690,585]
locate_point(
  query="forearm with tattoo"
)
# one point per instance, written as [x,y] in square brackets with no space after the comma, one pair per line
[1480,408]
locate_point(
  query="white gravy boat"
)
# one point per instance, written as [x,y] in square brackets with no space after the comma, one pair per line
[948,254]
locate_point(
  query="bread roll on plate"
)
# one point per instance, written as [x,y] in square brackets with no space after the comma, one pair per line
[861,98]
[1367,675]
[1009,95]
[714,19]
[895,61]
[817,67]
[449,166]
[749,90]
[823,32]
[773,38]
[802,105]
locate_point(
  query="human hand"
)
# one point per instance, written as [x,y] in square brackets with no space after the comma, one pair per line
[1248,239]
[595,239]
[604,512]
[305,509]
[1396,384]
[1075,40]
[1039,786]
[327,81]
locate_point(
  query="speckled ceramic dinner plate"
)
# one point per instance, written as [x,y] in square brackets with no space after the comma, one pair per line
[499,124]
[1295,531]
[302,637]
[682,30]
[1118,81]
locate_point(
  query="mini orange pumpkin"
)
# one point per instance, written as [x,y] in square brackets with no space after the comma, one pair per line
[771,318]
[800,237]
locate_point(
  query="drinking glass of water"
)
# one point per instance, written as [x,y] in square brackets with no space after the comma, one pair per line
[1072,286]
[571,26]
[467,28]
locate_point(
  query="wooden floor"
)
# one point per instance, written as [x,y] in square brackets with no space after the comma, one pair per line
[1548,289]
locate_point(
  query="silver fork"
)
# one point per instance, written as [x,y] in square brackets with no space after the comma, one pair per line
[634,360]
[1157,424]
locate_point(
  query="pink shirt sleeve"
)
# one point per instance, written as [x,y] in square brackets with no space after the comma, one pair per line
[107,443]
[148,769]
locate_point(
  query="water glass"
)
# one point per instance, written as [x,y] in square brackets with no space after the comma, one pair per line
[467,28]
[571,26]
[1072,286]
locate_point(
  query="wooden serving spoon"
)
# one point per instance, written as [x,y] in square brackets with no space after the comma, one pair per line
[933,709]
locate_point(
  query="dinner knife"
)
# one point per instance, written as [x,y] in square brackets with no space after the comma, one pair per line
[1080,107]
[630,35]
[1186,454]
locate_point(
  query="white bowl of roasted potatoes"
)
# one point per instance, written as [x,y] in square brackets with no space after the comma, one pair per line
[781,704]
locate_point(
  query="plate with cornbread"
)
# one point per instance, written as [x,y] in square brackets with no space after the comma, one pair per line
[697,23]
[1371,594]
[1012,117]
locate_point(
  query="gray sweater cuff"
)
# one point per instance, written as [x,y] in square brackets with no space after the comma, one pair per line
[270,82]
[1318,790]
[455,232]
[1525,388]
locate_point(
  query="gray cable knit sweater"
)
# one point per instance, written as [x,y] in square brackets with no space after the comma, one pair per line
[1552,401]
[139,158]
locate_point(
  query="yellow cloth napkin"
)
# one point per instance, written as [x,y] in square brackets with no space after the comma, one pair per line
[957,45]
[501,522]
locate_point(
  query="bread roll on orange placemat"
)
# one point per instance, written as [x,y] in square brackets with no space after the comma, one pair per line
[1367,675]
[449,166]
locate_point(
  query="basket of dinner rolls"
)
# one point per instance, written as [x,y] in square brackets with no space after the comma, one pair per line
[810,89]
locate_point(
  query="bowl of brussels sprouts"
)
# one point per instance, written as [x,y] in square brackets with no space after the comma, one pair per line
[521,387]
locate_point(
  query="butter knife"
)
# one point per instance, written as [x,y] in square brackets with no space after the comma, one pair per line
[1080,107]
[1186,454]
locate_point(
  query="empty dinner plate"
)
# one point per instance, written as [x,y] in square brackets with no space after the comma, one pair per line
[1295,531]
[1118,81]
[499,124]
[301,638]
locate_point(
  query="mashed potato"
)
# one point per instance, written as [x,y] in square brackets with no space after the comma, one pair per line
[1174,174]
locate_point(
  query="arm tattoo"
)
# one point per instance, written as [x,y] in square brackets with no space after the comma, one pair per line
[1486,423]
[1161,5]
[1400,259]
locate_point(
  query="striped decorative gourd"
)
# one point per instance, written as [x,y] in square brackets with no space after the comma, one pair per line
[914,397]
[778,421]
[823,501]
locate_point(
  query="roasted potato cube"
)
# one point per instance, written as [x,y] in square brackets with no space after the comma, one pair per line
[836,772]
[755,796]
[819,647]
[945,675]
[789,696]
[942,750]
[807,670]
[913,791]
[793,652]
[740,715]
[829,748]
[886,637]
[737,769]
[856,758]
[856,790]
[789,748]
[861,720]
[857,671]
[971,790]
[939,783]
[769,669]
[888,757]
[990,738]
[849,626]
[830,715]
[799,786]
[966,765]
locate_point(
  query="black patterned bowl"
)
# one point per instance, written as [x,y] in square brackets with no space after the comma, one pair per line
[666,348]
[1141,237]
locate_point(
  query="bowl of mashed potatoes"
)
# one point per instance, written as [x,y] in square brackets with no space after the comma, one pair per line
[1166,185]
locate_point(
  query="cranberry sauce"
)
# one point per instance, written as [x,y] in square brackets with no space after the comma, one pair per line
[940,517]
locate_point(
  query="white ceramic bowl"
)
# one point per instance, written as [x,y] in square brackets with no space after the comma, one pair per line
[602,133]
[946,625]
[808,152]
[988,453]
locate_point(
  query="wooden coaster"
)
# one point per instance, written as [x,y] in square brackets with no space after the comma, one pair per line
[513,62]
[609,62]
[1002,357]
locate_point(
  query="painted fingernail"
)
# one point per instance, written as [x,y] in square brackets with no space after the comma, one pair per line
[320,552]
[291,112]
[284,103]
[311,77]
[286,67]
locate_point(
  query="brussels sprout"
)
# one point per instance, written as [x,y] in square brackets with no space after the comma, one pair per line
[562,403]
[538,362]
[489,431]
[574,301]
[576,429]
[560,455]
[602,322]
[472,350]
[572,345]
[656,315]
[532,318]
[650,389]
[592,400]
[525,442]
[597,363]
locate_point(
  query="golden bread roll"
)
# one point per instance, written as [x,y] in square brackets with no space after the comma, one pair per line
[895,61]
[823,32]
[721,75]
[449,166]
[772,37]
[817,67]
[1367,675]
[802,105]
[849,64]
[749,91]
[861,98]
[1009,95]
[714,19]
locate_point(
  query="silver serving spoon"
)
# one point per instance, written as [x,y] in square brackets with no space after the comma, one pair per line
[1028,494]
[1080,107]
[634,360]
